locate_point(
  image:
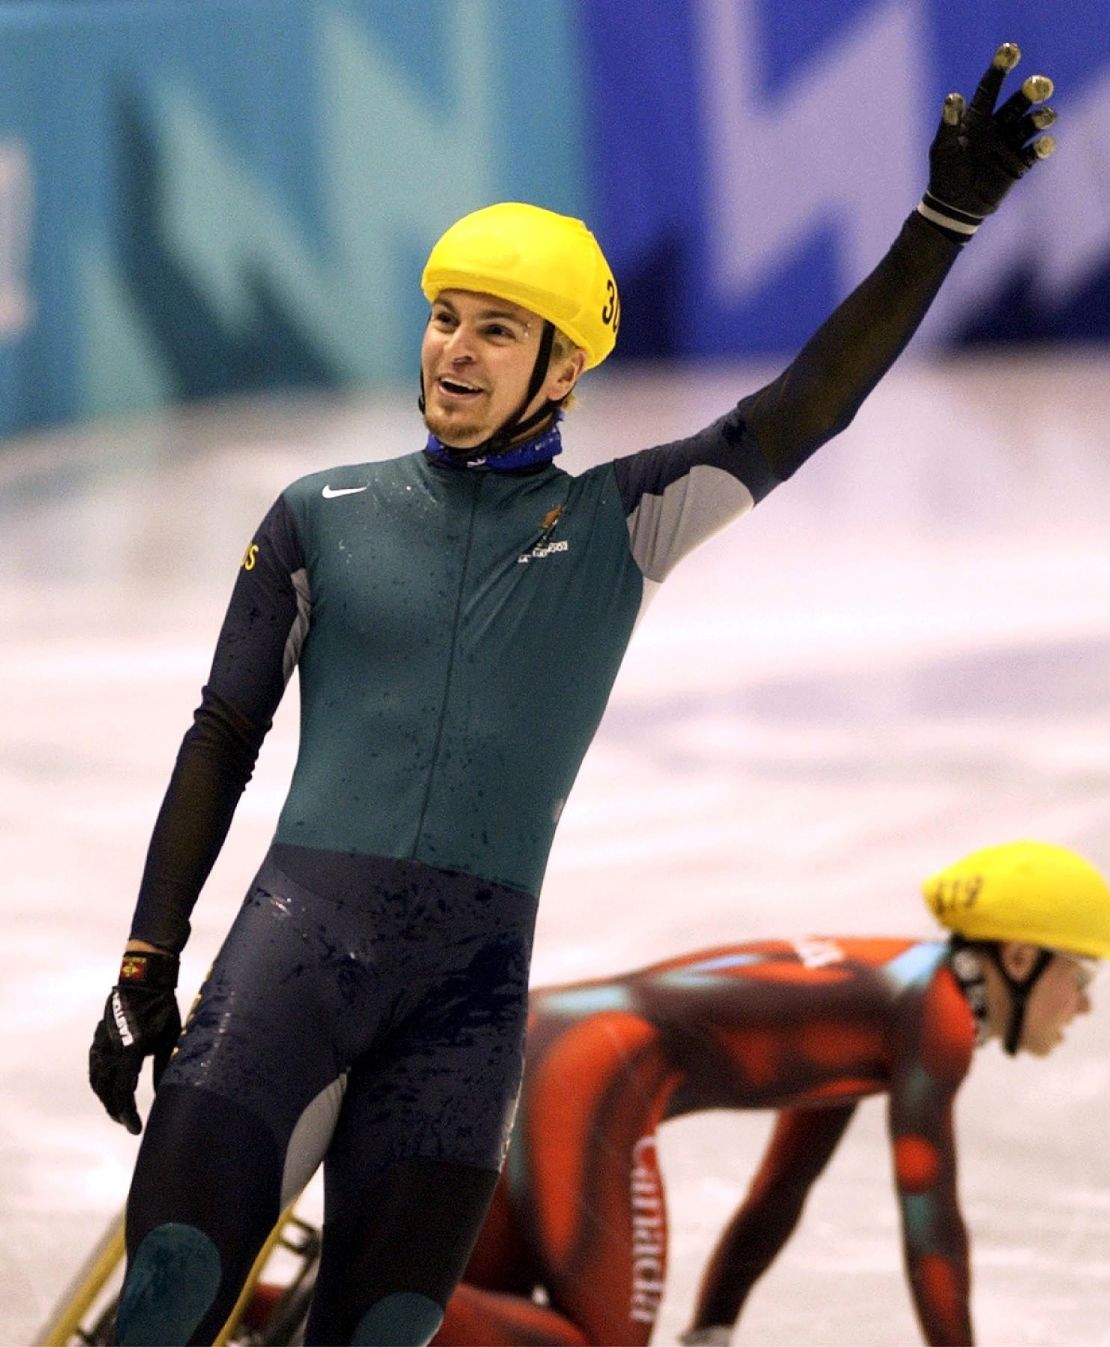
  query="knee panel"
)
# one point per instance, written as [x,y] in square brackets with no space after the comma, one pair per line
[171,1284]
[203,1199]
[390,1263]
[400,1319]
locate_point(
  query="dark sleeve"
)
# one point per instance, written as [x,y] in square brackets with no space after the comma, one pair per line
[820,391]
[677,495]
[257,650]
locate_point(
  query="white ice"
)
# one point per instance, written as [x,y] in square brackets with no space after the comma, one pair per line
[902,655]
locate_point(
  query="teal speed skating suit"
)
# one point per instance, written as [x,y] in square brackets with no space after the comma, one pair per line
[457,630]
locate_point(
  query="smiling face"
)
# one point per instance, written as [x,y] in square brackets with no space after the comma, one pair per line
[1060,993]
[477,358]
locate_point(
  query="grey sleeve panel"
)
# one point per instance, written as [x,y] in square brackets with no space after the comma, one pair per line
[676,495]
[299,629]
[663,529]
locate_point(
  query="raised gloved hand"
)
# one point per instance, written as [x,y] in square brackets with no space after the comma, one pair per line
[141,1019]
[979,152]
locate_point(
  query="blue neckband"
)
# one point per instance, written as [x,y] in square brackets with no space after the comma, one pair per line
[539,450]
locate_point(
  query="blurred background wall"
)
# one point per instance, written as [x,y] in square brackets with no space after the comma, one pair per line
[204,197]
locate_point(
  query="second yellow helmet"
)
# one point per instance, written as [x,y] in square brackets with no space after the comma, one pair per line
[1030,891]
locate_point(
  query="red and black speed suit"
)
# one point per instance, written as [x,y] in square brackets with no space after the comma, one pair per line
[807,1028]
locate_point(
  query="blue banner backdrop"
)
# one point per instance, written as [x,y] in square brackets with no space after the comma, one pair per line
[753,158]
[201,197]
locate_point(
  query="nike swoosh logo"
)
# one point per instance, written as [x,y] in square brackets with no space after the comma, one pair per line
[330,492]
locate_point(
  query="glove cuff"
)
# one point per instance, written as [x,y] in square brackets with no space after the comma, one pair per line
[958,224]
[142,969]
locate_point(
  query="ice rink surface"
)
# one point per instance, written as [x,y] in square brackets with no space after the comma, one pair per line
[900,656]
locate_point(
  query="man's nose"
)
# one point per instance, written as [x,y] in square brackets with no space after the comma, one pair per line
[460,345]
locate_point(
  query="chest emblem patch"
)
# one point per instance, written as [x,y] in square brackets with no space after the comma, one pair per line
[543,546]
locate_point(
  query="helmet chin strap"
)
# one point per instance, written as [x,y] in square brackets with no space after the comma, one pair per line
[1020,991]
[967,967]
[517,424]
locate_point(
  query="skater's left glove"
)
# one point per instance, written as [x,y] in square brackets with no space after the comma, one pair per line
[979,152]
[141,1020]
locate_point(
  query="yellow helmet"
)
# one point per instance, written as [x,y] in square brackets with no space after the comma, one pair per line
[545,262]
[1030,891]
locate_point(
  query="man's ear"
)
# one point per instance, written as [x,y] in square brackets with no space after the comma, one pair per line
[563,374]
[1017,958]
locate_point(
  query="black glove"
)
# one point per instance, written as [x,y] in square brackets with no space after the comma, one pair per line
[141,1019]
[979,153]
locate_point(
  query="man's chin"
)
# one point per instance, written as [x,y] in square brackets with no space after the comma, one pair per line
[454,434]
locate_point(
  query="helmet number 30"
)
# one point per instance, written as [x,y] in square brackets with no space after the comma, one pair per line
[611,309]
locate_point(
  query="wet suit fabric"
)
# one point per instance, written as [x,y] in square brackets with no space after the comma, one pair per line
[422,673]
[456,633]
[375,1018]
[807,1028]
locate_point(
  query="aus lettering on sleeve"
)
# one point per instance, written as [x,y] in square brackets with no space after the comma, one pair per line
[250,557]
